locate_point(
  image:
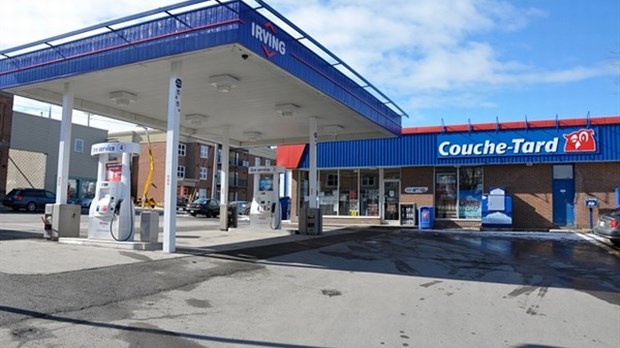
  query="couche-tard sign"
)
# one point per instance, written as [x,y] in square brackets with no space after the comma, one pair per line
[516,143]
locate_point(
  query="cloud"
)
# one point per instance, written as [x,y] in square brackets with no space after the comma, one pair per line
[419,52]
[27,21]
[423,49]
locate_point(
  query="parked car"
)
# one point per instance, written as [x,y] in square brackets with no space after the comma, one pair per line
[243,207]
[28,198]
[85,202]
[608,226]
[205,206]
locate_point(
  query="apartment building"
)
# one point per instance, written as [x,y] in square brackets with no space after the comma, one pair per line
[199,167]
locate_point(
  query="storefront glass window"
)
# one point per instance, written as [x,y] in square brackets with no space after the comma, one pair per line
[348,198]
[445,193]
[369,192]
[458,193]
[328,192]
[470,192]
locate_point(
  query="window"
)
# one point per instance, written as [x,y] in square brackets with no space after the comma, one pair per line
[257,161]
[331,180]
[181,172]
[204,173]
[328,192]
[267,162]
[470,192]
[204,151]
[368,181]
[234,179]
[348,198]
[246,163]
[340,192]
[78,145]
[182,149]
[563,171]
[458,193]
[369,192]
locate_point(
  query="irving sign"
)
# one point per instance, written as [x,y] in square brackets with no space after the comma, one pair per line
[517,143]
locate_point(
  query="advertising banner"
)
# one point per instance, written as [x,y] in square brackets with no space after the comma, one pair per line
[518,143]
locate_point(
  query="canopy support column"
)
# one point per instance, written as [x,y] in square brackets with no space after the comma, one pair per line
[312,175]
[172,157]
[64,146]
[224,179]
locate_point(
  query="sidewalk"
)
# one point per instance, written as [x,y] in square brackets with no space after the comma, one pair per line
[24,251]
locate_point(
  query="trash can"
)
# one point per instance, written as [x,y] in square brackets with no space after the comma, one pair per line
[232,218]
[149,226]
[426,216]
[284,204]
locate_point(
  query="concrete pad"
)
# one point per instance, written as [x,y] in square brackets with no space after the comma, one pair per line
[38,256]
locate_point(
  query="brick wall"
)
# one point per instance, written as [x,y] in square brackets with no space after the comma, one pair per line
[531,191]
[6,117]
[595,180]
[417,177]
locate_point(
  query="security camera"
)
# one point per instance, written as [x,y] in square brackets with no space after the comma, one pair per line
[245,56]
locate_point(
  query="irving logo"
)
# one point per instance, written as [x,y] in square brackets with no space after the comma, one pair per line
[580,141]
[266,34]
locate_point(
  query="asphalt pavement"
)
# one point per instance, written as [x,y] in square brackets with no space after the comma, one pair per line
[366,286]
[23,250]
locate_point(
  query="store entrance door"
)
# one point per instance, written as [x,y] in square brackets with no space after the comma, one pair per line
[391,200]
[563,206]
[563,195]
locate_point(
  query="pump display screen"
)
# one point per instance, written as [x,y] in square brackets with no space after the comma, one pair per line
[265,183]
[113,172]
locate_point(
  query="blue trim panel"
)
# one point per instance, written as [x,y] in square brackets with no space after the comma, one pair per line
[300,61]
[421,150]
[209,27]
[195,30]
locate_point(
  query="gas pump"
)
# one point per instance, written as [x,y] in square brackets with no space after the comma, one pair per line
[265,209]
[111,214]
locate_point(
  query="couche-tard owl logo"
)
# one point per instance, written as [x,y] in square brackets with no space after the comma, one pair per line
[582,140]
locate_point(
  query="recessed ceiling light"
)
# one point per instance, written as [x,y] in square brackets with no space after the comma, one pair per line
[223,83]
[123,98]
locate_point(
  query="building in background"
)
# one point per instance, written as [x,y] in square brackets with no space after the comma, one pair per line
[29,158]
[199,167]
[6,116]
[32,155]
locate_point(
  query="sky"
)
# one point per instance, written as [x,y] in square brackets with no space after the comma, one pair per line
[442,61]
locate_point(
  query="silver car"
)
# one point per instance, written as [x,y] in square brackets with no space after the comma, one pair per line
[608,226]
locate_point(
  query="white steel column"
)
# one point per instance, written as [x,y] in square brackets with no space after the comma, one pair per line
[172,157]
[224,179]
[214,174]
[64,145]
[312,177]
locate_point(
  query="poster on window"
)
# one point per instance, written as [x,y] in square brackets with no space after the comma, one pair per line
[470,204]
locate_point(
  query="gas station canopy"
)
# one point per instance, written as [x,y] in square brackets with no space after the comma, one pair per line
[241,71]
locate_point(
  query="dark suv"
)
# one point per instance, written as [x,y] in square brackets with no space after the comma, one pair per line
[205,206]
[29,199]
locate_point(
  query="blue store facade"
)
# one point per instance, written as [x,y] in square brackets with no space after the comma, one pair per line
[547,168]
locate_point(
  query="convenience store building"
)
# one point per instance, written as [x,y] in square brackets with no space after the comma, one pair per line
[548,168]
